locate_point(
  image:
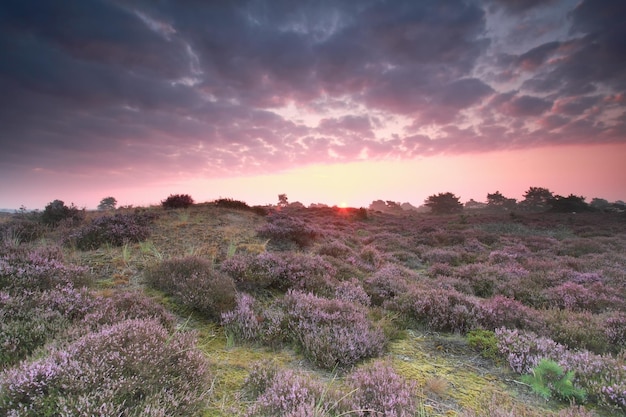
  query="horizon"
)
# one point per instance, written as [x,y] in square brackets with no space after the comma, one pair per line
[340,103]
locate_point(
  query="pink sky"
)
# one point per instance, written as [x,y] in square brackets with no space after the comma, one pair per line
[328,102]
[591,171]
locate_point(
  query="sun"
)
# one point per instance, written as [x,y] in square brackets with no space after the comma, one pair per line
[343,205]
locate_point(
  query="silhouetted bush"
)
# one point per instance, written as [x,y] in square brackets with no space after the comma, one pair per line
[175,201]
[56,212]
[115,230]
[131,368]
[231,204]
[195,283]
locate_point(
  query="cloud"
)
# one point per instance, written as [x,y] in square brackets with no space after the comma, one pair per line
[209,88]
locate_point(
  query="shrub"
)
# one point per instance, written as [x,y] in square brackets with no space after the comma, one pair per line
[175,201]
[353,292]
[22,227]
[334,249]
[115,230]
[548,379]
[56,212]
[331,333]
[39,269]
[289,393]
[126,305]
[485,342]
[443,256]
[231,204]
[501,311]
[445,310]
[379,390]
[131,368]
[249,322]
[594,297]
[194,282]
[615,330]
[32,319]
[388,282]
[279,271]
[283,229]
[578,330]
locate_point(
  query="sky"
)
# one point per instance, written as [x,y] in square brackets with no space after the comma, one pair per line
[329,101]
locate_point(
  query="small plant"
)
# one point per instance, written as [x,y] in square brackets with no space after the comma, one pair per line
[175,201]
[485,342]
[548,379]
[195,283]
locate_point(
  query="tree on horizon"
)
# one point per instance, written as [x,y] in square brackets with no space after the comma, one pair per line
[444,203]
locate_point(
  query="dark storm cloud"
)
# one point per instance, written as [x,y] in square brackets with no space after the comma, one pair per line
[206,87]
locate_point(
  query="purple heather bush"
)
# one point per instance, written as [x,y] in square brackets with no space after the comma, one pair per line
[282,271]
[194,283]
[374,389]
[615,330]
[378,390]
[443,309]
[443,256]
[335,249]
[353,292]
[250,322]
[126,305]
[369,258]
[284,229]
[501,311]
[331,333]
[289,393]
[388,282]
[33,318]
[40,269]
[134,367]
[115,230]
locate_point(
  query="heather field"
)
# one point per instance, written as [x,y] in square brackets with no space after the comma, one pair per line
[220,309]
